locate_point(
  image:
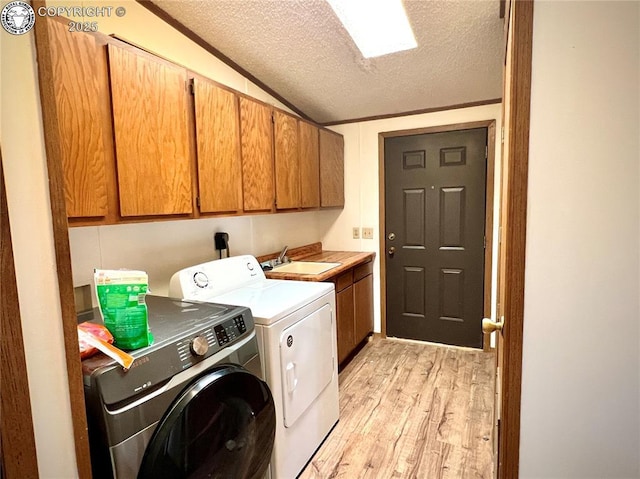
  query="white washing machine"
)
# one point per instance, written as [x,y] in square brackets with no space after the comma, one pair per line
[295,324]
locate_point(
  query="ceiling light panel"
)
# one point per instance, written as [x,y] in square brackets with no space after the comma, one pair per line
[378,27]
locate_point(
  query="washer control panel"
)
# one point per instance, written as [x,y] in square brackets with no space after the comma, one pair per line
[207,280]
[230,330]
[186,333]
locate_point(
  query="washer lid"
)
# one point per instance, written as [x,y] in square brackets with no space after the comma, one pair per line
[272,299]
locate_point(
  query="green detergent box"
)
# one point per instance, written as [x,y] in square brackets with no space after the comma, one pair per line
[121,298]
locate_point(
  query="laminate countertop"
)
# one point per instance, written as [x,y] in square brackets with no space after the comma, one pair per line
[348,260]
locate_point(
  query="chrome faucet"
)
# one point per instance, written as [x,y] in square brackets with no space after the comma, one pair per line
[282,256]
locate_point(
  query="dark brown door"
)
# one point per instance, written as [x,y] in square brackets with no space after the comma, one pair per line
[434,236]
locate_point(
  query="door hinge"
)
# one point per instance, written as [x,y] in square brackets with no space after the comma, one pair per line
[198,201]
[502,135]
[190,88]
[484,242]
[486,152]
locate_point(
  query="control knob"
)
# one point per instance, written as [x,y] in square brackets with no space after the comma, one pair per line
[199,345]
[201,279]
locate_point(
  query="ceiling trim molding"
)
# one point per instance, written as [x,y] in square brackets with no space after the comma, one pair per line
[493,101]
[164,16]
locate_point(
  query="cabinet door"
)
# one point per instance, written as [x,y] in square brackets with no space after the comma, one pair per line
[287,161]
[81,85]
[309,166]
[218,148]
[331,169]
[363,305]
[151,122]
[256,133]
[344,322]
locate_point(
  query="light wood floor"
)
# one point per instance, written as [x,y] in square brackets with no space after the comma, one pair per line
[411,410]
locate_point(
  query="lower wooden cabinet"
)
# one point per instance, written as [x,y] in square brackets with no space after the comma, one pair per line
[363,308]
[354,308]
[345,316]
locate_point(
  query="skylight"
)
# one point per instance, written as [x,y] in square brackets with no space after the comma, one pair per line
[378,27]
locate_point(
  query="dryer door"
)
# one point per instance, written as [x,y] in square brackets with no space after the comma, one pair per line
[307,362]
[221,426]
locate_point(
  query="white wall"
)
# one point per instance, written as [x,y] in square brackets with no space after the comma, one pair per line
[580,389]
[26,178]
[162,248]
[362,197]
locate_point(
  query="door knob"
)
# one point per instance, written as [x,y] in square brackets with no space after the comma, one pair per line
[489,326]
[391,251]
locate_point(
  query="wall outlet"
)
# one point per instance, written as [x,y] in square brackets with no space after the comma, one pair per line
[356,232]
[367,233]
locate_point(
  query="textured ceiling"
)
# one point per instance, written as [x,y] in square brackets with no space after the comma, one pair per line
[300,50]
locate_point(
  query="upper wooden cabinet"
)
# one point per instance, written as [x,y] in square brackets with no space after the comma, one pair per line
[134,143]
[309,165]
[287,161]
[256,133]
[331,169]
[81,86]
[297,163]
[152,134]
[218,148]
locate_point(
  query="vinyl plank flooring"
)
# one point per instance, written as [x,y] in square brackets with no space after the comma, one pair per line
[411,410]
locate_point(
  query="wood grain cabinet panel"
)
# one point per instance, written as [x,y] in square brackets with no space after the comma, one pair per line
[81,85]
[256,133]
[218,148]
[151,122]
[287,163]
[344,323]
[363,307]
[344,280]
[354,308]
[331,169]
[309,165]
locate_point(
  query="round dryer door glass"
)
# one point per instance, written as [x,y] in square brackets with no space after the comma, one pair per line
[221,426]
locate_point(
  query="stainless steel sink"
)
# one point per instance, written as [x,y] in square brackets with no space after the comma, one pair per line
[304,267]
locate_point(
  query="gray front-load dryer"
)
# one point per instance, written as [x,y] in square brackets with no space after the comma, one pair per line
[193,404]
